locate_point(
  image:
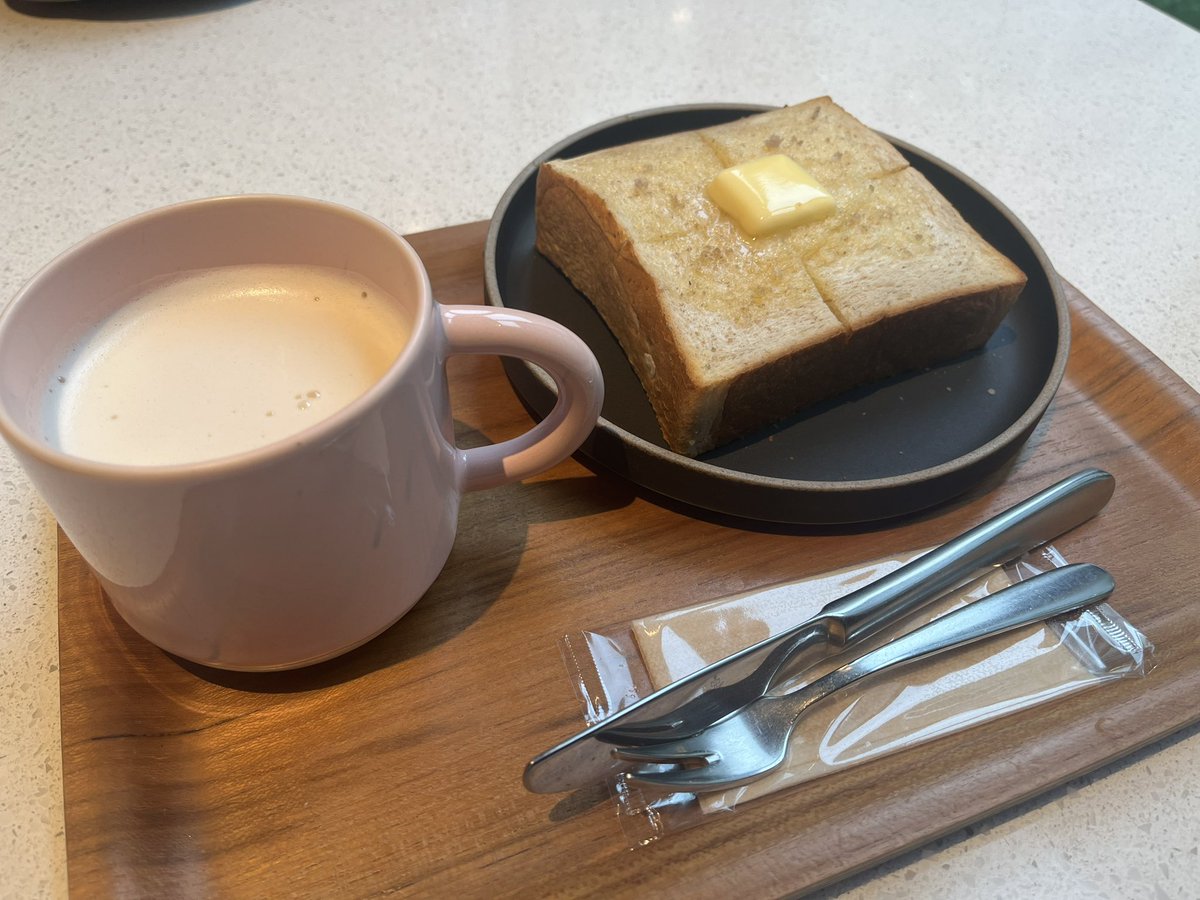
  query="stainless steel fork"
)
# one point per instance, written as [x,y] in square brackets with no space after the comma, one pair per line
[869,610]
[726,686]
[753,742]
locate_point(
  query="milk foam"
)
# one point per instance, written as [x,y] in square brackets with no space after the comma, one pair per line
[220,361]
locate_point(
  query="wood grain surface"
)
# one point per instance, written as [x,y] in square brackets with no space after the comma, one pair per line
[397,768]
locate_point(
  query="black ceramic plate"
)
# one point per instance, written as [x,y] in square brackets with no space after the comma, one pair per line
[883,450]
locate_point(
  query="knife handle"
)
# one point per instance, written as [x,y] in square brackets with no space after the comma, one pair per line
[1033,522]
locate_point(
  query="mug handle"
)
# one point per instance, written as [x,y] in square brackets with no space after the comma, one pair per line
[567,360]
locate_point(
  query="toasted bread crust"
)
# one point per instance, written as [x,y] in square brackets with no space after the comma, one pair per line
[578,233]
[728,335]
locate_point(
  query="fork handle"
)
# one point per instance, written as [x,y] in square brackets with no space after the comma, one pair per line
[1034,521]
[1041,597]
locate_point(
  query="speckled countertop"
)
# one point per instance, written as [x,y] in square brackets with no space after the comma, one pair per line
[1083,117]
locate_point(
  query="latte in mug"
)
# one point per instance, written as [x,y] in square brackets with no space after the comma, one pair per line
[210,363]
[191,334]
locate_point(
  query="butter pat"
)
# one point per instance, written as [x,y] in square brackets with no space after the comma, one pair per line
[770,194]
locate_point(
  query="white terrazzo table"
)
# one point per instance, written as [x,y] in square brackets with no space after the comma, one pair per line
[1084,118]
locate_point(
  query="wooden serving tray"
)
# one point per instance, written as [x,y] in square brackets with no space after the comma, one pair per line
[397,768]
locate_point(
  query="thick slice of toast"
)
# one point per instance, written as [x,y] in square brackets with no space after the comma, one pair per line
[728,333]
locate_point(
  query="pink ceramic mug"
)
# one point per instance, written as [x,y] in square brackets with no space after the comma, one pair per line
[302,549]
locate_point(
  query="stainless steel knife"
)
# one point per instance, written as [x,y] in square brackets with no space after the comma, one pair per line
[587,757]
